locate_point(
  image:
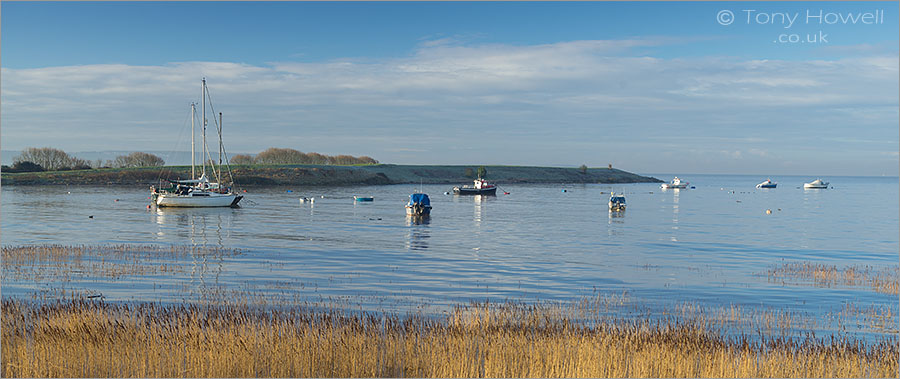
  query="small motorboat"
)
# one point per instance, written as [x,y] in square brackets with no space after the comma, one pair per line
[616,202]
[363,198]
[481,187]
[675,184]
[767,184]
[419,205]
[816,184]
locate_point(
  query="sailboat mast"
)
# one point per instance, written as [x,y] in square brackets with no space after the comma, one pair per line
[203,122]
[193,116]
[220,139]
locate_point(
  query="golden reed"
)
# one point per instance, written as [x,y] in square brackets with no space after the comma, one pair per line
[95,339]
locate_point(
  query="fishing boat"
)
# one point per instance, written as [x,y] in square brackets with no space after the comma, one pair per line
[674,184]
[767,184]
[816,184]
[616,202]
[419,205]
[200,192]
[481,187]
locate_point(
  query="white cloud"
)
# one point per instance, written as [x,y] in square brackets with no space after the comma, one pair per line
[497,99]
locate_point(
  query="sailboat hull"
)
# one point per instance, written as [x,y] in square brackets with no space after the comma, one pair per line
[198,201]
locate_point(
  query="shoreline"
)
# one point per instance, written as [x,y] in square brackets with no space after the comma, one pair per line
[326,175]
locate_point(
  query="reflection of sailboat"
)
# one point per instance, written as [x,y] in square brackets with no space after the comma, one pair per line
[199,191]
[190,223]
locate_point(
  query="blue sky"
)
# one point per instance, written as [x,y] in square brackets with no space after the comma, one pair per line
[649,87]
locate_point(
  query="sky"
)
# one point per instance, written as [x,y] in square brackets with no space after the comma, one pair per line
[768,88]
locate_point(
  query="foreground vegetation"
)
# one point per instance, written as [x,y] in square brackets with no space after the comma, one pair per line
[97,339]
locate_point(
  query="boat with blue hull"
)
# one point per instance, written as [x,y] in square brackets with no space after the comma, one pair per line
[419,205]
[616,202]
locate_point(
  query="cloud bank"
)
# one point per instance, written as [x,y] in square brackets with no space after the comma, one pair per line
[568,103]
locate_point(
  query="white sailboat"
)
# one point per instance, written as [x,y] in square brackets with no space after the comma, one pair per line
[816,184]
[200,192]
[674,184]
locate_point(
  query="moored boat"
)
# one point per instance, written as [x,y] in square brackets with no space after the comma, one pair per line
[200,192]
[767,184]
[674,184]
[816,184]
[419,205]
[616,202]
[481,187]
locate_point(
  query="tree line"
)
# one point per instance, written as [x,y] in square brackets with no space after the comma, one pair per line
[276,156]
[34,159]
[50,159]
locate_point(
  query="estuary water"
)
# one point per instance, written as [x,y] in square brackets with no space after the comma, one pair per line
[712,246]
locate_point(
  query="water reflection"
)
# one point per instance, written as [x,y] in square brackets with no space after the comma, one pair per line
[201,226]
[675,193]
[310,203]
[478,215]
[616,221]
[418,234]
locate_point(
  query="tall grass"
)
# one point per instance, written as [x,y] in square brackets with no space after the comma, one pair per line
[45,262]
[97,339]
[880,279]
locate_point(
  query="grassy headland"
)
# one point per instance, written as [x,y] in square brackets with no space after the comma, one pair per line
[312,175]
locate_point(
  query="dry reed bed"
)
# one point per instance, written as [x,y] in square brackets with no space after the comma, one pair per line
[96,339]
[62,262]
[880,279]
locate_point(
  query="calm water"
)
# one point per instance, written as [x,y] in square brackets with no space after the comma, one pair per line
[710,246]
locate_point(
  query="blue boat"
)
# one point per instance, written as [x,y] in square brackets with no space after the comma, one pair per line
[363,198]
[419,205]
[616,202]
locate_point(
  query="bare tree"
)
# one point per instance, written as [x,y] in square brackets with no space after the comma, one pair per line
[138,159]
[47,157]
[242,159]
[482,172]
